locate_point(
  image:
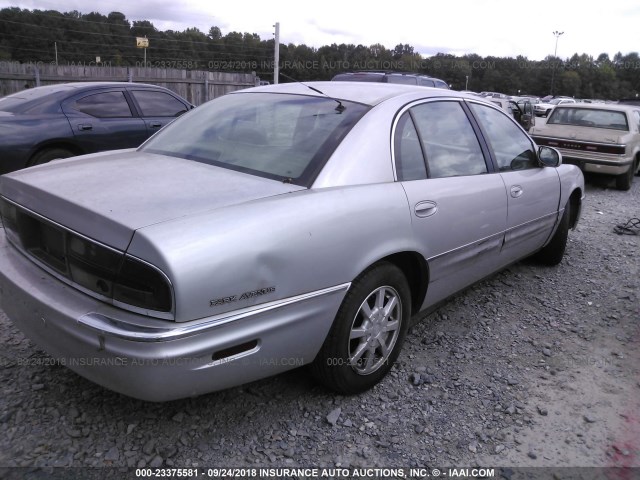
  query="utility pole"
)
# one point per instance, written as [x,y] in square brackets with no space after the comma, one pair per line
[555,54]
[55,46]
[276,54]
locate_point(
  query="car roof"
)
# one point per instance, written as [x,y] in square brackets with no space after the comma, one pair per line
[367,93]
[600,106]
[49,96]
[37,92]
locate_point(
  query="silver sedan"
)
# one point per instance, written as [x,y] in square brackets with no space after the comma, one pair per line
[272,228]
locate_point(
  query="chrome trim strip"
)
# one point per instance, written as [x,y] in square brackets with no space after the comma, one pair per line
[536,220]
[110,326]
[470,244]
[500,234]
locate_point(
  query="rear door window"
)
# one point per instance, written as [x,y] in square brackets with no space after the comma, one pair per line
[104,105]
[448,140]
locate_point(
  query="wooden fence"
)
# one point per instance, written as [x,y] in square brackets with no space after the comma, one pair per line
[194,85]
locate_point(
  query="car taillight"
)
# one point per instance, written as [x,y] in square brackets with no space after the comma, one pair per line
[8,213]
[109,273]
[91,265]
[143,286]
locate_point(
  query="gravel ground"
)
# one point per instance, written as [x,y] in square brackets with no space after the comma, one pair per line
[535,366]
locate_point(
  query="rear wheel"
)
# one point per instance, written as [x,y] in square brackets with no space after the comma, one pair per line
[624,181]
[552,253]
[48,154]
[367,334]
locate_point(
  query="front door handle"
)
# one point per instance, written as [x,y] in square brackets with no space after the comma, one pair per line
[516,191]
[425,208]
[155,124]
[85,126]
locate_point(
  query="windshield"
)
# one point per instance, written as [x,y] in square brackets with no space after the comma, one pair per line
[587,117]
[279,136]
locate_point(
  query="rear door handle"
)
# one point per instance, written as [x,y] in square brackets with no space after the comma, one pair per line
[516,191]
[155,124]
[85,126]
[426,208]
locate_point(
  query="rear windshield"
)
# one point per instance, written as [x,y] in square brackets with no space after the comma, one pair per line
[364,77]
[29,100]
[587,117]
[402,79]
[280,136]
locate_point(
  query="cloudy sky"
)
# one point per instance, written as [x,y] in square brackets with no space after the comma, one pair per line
[485,27]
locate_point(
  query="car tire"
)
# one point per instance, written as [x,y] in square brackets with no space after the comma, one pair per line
[368,332]
[624,181]
[553,252]
[48,154]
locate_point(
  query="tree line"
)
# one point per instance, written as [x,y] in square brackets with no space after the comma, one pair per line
[74,38]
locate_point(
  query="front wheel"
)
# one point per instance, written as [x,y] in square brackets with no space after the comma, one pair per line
[368,331]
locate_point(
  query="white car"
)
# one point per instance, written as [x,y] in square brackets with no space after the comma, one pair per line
[544,109]
[600,138]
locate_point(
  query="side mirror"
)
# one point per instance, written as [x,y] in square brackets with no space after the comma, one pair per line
[549,156]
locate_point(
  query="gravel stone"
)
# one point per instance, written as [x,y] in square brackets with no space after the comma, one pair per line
[149,447]
[113,454]
[333,415]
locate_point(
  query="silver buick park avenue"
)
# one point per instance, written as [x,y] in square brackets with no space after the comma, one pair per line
[294,221]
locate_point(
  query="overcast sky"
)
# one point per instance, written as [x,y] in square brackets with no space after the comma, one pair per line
[490,27]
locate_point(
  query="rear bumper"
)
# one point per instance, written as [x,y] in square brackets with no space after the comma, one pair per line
[163,360]
[608,165]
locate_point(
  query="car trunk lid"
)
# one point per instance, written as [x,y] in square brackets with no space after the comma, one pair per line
[108,196]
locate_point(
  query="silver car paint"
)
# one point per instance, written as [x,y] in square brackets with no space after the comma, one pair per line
[109,195]
[299,241]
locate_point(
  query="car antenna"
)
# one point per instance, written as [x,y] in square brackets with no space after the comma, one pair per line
[340,108]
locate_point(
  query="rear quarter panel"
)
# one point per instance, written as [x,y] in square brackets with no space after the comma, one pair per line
[296,243]
[23,135]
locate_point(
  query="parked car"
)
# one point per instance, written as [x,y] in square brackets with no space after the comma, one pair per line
[521,111]
[58,121]
[494,95]
[544,108]
[600,138]
[273,227]
[630,101]
[391,77]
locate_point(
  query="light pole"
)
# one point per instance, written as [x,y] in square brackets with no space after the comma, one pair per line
[276,54]
[555,54]
[466,83]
